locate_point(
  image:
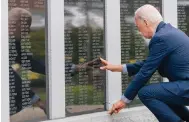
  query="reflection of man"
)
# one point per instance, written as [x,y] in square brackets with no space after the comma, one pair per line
[169,54]
[15,24]
[90,65]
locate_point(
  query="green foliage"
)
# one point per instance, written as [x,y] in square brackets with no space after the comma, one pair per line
[42,95]
[38,83]
[37,39]
[91,94]
[38,44]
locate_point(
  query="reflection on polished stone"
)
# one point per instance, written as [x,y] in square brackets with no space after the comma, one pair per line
[84,42]
[82,108]
[30,114]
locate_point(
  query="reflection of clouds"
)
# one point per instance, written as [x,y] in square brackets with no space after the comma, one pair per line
[129,19]
[38,22]
[96,21]
[183,3]
[76,17]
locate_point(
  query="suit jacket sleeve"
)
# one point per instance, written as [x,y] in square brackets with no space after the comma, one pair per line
[133,68]
[37,66]
[157,51]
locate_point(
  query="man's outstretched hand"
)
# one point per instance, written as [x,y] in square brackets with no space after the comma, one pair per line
[111,67]
[117,107]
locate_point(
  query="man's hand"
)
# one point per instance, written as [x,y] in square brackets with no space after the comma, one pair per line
[117,107]
[111,67]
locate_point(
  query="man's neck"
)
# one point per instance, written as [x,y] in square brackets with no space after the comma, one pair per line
[155,28]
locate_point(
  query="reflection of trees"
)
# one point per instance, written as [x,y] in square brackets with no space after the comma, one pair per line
[89,82]
[86,8]
[89,30]
[187,19]
[74,39]
[38,44]
[75,52]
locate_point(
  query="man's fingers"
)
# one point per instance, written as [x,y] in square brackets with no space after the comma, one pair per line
[104,61]
[103,68]
[117,107]
[112,110]
[116,111]
[119,110]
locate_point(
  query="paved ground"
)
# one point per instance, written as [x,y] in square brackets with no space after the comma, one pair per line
[29,115]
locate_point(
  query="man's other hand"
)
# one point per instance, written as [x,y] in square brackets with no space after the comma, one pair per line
[117,107]
[111,67]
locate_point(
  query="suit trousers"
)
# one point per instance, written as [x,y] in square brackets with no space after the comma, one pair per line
[167,100]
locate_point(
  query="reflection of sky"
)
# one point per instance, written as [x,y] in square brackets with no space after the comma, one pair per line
[183,2]
[129,19]
[76,16]
[38,20]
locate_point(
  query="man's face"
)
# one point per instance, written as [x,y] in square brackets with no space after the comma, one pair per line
[143,27]
[17,30]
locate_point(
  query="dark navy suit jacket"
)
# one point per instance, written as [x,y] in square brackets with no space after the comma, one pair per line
[169,54]
[36,66]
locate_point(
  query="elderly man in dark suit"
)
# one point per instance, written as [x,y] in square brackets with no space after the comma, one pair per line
[169,54]
[15,16]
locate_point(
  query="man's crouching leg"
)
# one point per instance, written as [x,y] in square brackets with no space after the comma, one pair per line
[156,99]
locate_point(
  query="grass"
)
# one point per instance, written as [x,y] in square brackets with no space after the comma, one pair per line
[84,94]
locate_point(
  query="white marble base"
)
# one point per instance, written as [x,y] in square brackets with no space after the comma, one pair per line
[137,114]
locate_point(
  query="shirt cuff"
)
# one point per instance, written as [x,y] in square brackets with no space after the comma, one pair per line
[123,98]
[34,99]
[124,68]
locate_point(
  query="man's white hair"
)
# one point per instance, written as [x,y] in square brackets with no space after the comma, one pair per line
[15,14]
[149,13]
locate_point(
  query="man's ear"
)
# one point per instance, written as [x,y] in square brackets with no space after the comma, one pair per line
[146,22]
